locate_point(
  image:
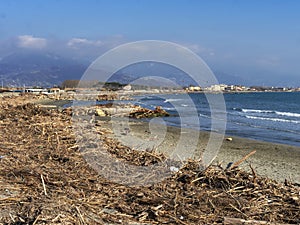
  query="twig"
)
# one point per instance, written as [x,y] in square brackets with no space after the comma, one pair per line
[56,218]
[178,220]
[199,178]
[12,218]
[44,186]
[238,210]
[254,174]
[81,217]
[236,164]
[237,221]
[36,219]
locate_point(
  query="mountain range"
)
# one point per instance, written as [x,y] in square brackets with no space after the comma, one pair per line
[38,69]
[44,69]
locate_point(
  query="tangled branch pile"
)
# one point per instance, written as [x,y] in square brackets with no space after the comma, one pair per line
[146,113]
[45,180]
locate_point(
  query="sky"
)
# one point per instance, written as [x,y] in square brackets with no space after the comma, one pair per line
[256,40]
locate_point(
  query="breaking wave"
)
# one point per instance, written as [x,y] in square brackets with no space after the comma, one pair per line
[287,114]
[272,119]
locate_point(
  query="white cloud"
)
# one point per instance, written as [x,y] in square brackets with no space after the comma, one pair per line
[76,42]
[28,41]
[269,61]
[199,49]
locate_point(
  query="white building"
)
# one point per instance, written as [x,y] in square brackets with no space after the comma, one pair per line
[127,87]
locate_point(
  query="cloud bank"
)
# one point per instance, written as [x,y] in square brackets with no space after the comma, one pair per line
[81,42]
[75,47]
[28,41]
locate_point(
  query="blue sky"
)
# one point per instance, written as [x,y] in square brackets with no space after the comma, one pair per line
[253,39]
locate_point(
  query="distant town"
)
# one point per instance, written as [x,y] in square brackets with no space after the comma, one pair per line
[72,86]
[241,88]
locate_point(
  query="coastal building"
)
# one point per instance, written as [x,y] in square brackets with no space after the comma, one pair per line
[236,88]
[35,90]
[216,88]
[127,87]
[55,90]
[193,88]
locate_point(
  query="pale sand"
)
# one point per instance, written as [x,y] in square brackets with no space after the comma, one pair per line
[275,161]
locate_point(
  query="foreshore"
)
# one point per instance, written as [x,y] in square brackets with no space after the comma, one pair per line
[272,160]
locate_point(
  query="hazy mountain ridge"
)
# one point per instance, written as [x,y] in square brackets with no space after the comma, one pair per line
[36,68]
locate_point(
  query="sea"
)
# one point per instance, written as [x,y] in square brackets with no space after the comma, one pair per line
[266,116]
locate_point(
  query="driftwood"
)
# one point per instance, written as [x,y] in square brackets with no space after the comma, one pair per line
[128,110]
[236,221]
[236,164]
[146,113]
[107,97]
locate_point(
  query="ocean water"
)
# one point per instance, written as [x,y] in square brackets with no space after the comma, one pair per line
[267,116]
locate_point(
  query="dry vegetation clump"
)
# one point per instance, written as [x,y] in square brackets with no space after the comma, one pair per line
[45,180]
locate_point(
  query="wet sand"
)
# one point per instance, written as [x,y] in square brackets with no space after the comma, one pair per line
[275,161]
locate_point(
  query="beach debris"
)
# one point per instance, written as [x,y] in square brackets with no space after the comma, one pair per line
[146,113]
[238,221]
[44,186]
[128,110]
[53,184]
[67,111]
[100,112]
[228,165]
[174,169]
[229,139]
[107,97]
[236,164]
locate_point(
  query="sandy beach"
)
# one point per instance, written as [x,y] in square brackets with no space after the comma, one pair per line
[272,160]
[275,161]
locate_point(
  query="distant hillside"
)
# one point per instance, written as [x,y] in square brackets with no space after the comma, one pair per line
[35,68]
[38,69]
[132,72]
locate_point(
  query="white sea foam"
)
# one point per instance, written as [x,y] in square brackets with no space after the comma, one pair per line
[202,115]
[288,114]
[167,108]
[273,119]
[256,111]
[172,100]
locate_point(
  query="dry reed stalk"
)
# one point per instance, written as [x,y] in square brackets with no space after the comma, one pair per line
[237,221]
[236,164]
[44,186]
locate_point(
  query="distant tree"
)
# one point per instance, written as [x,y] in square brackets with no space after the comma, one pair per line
[69,84]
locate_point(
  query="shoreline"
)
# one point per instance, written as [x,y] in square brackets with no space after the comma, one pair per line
[276,161]
[272,160]
[59,104]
